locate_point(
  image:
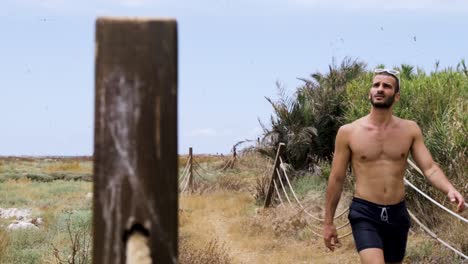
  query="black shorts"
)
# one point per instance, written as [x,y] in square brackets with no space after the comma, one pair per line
[380,226]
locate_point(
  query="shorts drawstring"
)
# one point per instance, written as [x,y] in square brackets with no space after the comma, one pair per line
[384,214]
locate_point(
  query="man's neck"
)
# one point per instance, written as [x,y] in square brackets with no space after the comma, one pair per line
[380,117]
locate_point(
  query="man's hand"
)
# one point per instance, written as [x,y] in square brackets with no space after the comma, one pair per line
[456,197]
[330,236]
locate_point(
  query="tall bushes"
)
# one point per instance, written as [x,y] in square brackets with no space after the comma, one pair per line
[307,122]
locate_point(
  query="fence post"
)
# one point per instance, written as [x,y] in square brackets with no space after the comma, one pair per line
[273,175]
[234,157]
[190,179]
[135,143]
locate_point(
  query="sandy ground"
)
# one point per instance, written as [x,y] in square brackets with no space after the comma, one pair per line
[247,233]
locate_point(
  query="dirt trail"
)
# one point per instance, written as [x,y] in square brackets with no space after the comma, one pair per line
[249,236]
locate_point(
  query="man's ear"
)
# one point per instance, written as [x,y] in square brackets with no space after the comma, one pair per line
[397,97]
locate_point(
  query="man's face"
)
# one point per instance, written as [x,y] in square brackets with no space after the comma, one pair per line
[382,93]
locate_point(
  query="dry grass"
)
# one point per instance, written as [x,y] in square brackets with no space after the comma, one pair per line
[213,253]
[253,235]
[47,200]
[229,211]
[212,159]
[46,169]
[219,224]
[73,166]
[423,249]
[3,243]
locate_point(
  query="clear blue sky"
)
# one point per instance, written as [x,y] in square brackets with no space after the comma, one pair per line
[231,53]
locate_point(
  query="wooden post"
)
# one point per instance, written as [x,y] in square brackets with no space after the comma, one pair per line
[273,175]
[234,157]
[135,143]
[190,184]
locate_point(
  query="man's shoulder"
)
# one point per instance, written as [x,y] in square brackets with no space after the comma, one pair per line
[406,123]
[353,125]
[347,129]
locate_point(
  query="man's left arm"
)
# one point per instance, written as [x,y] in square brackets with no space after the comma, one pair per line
[431,170]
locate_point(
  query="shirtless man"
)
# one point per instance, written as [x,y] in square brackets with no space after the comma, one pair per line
[377,146]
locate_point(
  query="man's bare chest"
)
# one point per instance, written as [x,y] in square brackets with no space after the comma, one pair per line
[371,145]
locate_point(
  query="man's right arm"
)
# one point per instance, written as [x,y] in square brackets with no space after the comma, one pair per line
[335,184]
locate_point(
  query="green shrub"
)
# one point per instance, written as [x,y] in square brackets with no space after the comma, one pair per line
[25,246]
[78,176]
[308,182]
[75,227]
[308,121]
[9,176]
[39,177]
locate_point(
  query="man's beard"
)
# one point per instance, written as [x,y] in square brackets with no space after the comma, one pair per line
[387,103]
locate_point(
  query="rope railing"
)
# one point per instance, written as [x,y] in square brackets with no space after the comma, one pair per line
[337,228]
[282,187]
[425,228]
[345,235]
[199,175]
[183,178]
[427,196]
[188,181]
[298,201]
[411,163]
[435,202]
[182,182]
[200,166]
[433,235]
[278,194]
[186,184]
[294,193]
[229,163]
[314,232]
[302,207]
[321,236]
[187,165]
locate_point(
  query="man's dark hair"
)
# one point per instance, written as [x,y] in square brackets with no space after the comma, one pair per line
[397,88]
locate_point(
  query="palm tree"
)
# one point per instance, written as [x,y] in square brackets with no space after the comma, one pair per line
[307,122]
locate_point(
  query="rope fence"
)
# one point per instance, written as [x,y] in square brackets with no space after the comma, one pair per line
[297,200]
[188,182]
[278,194]
[281,180]
[425,228]
[433,235]
[284,173]
[434,201]
[427,196]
